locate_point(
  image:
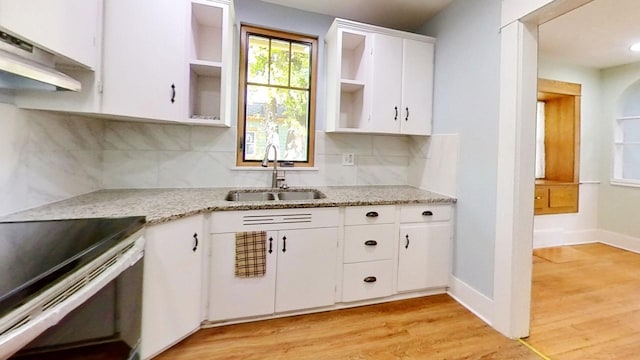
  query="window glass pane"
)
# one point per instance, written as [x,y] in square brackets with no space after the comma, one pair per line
[631,131]
[300,65]
[279,63]
[258,59]
[278,116]
[631,162]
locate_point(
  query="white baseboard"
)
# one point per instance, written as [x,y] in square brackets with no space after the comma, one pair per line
[470,298]
[618,240]
[560,237]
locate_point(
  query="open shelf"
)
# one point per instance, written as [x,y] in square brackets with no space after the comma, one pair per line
[206,31]
[353,60]
[352,114]
[205,64]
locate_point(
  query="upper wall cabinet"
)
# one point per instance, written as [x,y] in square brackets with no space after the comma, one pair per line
[378,80]
[65,28]
[162,60]
[167,60]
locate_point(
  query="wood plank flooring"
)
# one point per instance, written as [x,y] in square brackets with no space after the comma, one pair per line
[433,327]
[586,303]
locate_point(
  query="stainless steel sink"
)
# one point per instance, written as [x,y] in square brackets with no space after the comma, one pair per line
[300,195]
[270,195]
[250,196]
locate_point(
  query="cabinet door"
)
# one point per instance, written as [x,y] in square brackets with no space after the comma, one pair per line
[233,297]
[172,283]
[386,84]
[306,268]
[424,256]
[144,56]
[64,27]
[417,87]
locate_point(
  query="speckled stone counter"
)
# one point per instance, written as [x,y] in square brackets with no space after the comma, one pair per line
[161,205]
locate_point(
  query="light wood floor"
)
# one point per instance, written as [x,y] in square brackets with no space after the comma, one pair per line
[434,327]
[586,303]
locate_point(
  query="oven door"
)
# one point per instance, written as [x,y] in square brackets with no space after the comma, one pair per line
[95,309]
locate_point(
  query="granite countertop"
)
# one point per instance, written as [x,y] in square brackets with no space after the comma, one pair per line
[162,205]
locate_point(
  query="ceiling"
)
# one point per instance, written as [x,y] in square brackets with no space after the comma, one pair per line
[596,35]
[406,15]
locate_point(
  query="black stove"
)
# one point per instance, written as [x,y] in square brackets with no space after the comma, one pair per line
[35,254]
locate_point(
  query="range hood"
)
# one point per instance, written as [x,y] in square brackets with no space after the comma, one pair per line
[23,66]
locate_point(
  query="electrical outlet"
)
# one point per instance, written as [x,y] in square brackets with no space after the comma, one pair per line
[348,159]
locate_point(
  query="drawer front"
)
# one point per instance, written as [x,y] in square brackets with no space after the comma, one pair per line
[541,199]
[363,215]
[368,242]
[563,196]
[367,280]
[425,213]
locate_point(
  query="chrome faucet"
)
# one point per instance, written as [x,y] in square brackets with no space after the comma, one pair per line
[275,179]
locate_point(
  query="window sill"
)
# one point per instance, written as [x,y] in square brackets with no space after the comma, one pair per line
[625,182]
[270,168]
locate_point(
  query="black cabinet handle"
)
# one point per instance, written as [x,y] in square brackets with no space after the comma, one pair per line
[427,213]
[371,243]
[406,246]
[270,245]
[407,118]
[370,279]
[173,93]
[372,214]
[195,242]
[284,244]
[396,116]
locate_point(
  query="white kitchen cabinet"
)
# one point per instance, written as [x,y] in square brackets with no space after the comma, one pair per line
[144,73]
[169,60]
[300,271]
[369,238]
[424,247]
[65,28]
[378,80]
[172,283]
[162,60]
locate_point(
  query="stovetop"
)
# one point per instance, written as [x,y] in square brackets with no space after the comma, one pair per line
[35,254]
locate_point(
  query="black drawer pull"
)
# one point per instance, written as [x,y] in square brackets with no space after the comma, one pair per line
[370,279]
[270,245]
[195,242]
[371,243]
[372,214]
[427,213]
[406,246]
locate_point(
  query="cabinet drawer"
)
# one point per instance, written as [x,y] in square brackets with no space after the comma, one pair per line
[367,280]
[361,215]
[425,213]
[368,242]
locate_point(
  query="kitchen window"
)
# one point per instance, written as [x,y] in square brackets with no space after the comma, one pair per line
[276,96]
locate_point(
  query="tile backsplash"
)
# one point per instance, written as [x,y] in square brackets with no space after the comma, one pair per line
[48,157]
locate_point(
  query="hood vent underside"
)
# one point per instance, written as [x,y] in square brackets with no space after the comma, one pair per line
[20,70]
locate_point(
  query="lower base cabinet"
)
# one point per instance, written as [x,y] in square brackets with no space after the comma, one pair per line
[300,270]
[424,256]
[424,247]
[172,283]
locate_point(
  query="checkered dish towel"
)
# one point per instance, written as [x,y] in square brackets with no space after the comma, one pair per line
[251,257]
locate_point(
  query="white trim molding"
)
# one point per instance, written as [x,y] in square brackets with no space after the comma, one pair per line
[622,241]
[472,299]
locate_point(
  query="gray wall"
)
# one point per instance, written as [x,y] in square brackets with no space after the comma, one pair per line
[619,205]
[466,101]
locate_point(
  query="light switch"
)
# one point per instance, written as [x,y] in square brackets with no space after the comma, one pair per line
[348,159]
